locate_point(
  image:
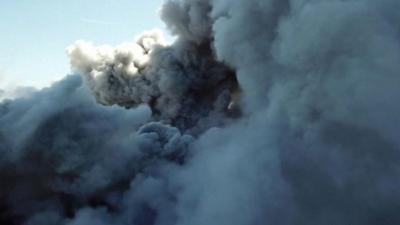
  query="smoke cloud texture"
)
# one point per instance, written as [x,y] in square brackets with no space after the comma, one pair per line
[261,112]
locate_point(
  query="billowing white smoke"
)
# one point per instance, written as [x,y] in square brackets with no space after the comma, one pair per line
[115,74]
[182,83]
[316,140]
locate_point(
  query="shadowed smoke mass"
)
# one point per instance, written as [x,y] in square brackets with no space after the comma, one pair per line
[261,112]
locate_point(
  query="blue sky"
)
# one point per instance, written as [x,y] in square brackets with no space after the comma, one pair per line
[35,33]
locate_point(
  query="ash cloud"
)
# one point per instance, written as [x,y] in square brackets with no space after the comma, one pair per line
[182,83]
[261,112]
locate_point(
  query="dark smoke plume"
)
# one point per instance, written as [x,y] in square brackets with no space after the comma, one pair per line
[261,112]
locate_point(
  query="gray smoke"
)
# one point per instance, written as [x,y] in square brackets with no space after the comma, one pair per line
[261,112]
[182,83]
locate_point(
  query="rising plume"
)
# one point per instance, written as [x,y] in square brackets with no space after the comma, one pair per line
[260,112]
